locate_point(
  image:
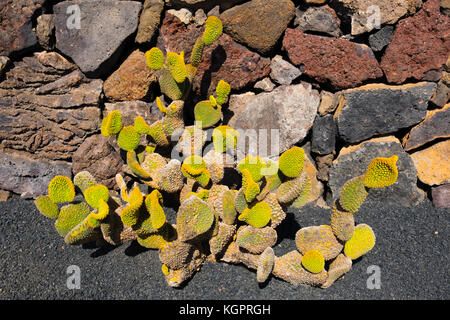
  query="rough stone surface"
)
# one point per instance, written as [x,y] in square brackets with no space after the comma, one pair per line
[323,138]
[363,18]
[380,39]
[353,161]
[104,25]
[4,195]
[441,196]
[433,164]
[337,63]
[323,165]
[328,102]
[318,19]
[282,71]
[377,109]
[442,94]
[47,108]
[131,109]
[436,125]
[149,20]
[224,60]
[16,24]
[4,63]
[289,109]
[98,157]
[409,56]
[45,30]
[183,14]
[132,81]
[28,177]
[265,85]
[204,4]
[258,23]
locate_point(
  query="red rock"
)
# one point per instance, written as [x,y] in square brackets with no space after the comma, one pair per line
[16,24]
[338,63]
[223,60]
[132,80]
[420,46]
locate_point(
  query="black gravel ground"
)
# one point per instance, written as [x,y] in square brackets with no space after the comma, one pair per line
[411,251]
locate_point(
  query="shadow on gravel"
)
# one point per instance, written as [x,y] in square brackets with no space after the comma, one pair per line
[135,249]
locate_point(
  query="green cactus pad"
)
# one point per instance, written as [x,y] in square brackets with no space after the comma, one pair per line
[70,216]
[313,261]
[177,66]
[228,210]
[320,238]
[95,218]
[197,52]
[266,262]
[362,241]
[61,189]
[257,215]
[291,189]
[256,240]
[169,86]
[382,172]
[129,214]
[154,58]
[157,133]
[353,194]
[47,207]
[84,180]
[155,240]
[135,167]
[222,91]
[254,165]
[224,138]
[250,187]
[342,223]
[111,124]
[194,167]
[213,30]
[82,233]
[304,195]
[207,114]
[153,204]
[94,194]
[291,162]
[195,217]
[128,138]
[240,204]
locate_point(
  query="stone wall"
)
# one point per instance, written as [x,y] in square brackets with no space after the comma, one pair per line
[348,80]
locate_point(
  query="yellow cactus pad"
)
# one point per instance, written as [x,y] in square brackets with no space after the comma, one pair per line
[94,194]
[61,189]
[240,204]
[160,105]
[135,167]
[213,30]
[141,126]
[258,215]
[84,180]
[153,204]
[128,138]
[362,241]
[256,240]
[250,187]
[223,89]
[177,66]
[111,124]
[70,216]
[254,165]
[353,194]
[95,218]
[382,172]
[129,214]
[313,261]
[47,207]
[194,167]
[224,138]
[291,162]
[197,52]
[169,86]
[154,58]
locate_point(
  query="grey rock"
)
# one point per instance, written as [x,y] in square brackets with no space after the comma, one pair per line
[200,17]
[47,108]
[380,39]
[45,31]
[29,177]
[183,14]
[288,110]
[378,109]
[318,19]
[323,139]
[265,85]
[442,95]
[104,26]
[441,196]
[353,161]
[149,20]
[282,71]
[214,12]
